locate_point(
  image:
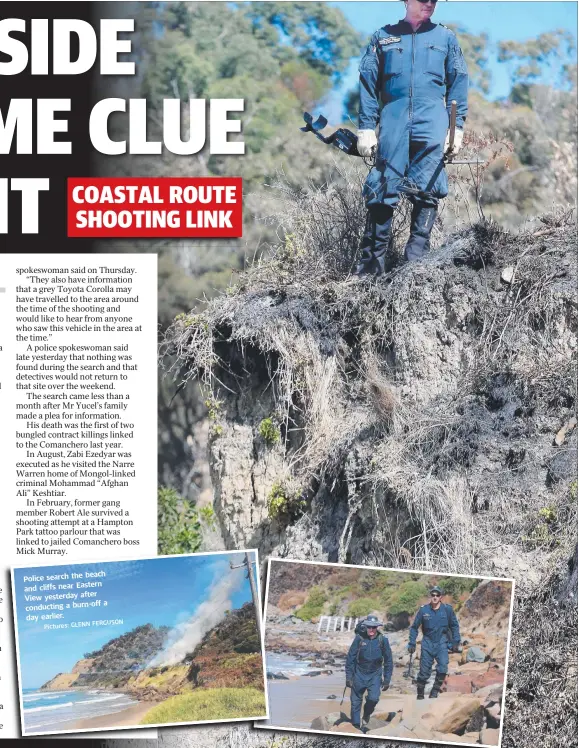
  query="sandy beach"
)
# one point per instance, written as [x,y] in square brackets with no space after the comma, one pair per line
[129,717]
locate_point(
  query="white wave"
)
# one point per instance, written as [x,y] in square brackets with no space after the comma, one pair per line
[74,718]
[47,695]
[111,697]
[46,708]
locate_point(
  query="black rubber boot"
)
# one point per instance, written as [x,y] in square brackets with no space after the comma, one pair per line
[421,223]
[369,707]
[376,241]
[420,686]
[437,685]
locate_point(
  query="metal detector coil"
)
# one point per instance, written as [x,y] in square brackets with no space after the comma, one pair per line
[342,138]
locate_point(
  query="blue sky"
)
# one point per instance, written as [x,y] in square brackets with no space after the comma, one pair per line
[163,591]
[500,20]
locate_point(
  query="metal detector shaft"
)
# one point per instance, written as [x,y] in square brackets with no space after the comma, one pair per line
[452,128]
[467,161]
[343,695]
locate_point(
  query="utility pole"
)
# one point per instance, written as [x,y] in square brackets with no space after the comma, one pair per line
[248,564]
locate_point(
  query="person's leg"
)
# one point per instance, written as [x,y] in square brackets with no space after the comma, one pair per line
[421,223]
[356,694]
[426,660]
[373,695]
[426,172]
[382,188]
[376,240]
[441,670]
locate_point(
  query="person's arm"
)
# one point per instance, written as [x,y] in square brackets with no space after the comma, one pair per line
[388,662]
[351,659]
[370,86]
[456,80]
[454,628]
[414,629]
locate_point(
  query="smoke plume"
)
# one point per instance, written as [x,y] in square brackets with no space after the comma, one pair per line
[186,635]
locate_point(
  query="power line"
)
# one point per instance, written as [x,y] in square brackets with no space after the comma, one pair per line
[248,564]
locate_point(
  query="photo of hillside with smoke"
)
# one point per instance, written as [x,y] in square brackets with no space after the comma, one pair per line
[432,668]
[426,420]
[173,640]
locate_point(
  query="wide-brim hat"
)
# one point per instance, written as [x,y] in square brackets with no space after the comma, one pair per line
[371,621]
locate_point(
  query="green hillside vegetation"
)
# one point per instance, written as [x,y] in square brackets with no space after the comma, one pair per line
[208,704]
[314,605]
[117,660]
[229,655]
[385,592]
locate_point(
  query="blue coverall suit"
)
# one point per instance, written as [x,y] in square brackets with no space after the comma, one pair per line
[440,630]
[407,82]
[369,664]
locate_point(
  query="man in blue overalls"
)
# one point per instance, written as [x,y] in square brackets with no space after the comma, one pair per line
[409,75]
[440,633]
[369,666]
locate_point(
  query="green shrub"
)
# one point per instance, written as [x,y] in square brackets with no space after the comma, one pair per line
[405,599]
[269,431]
[456,586]
[314,605]
[362,606]
[208,704]
[283,503]
[178,523]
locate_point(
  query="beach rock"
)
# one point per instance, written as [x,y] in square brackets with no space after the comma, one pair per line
[398,731]
[459,713]
[327,721]
[458,684]
[388,716]
[376,723]
[493,676]
[276,676]
[346,727]
[489,736]
[475,654]
[474,668]
[442,737]
[332,696]
[493,715]
[476,722]
[491,694]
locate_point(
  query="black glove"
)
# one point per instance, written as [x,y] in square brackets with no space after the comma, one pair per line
[385,686]
[455,648]
[411,648]
[348,683]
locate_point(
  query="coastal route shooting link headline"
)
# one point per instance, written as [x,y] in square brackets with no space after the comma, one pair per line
[155,207]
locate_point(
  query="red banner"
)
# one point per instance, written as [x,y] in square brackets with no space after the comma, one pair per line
[155,207]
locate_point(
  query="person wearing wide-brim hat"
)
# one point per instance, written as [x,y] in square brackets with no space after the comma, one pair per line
[369,668]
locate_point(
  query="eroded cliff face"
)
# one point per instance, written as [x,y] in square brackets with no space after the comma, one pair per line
[423,420]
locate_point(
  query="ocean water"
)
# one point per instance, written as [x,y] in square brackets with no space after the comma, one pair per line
[47,711]
[287,664]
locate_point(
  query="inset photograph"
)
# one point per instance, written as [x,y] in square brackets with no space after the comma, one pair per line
[154,642]
[386,653]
